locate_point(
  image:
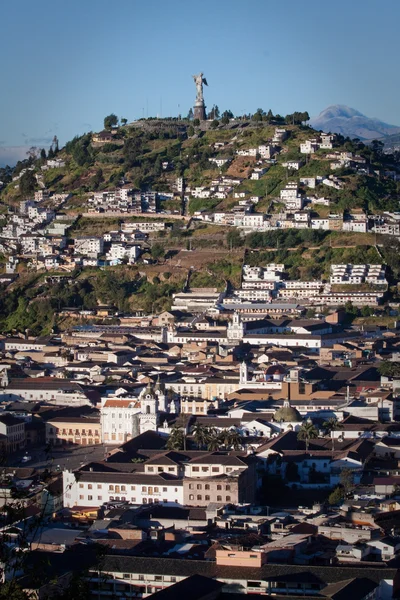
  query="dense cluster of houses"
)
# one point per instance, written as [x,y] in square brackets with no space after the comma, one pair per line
[195,436]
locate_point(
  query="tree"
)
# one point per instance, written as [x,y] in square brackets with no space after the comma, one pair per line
[190,114]
[347,480]
[225,120]
[124,121]
[307,432]
[190,131]
[50,153]
[214,124]
[336,496]
[269,116]
[176,439]
[196,122]
[55,145]
[200,435]
[330,425]
[27,183]
[110,121]
[43,154]
[227,114]
[233,439]
[97,179]
[157,251]
[214,442]
[234,239]
[387,368]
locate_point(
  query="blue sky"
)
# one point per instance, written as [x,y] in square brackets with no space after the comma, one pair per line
[65,65]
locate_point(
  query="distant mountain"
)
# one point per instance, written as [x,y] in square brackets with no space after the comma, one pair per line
[349,122]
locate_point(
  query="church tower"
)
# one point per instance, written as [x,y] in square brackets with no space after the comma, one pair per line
[148,416]
[235,330]
[159,389]
[243,373]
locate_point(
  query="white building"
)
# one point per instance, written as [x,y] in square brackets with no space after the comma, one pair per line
[89,246]
[92,489]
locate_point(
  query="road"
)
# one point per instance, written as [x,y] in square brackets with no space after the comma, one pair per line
[72,458]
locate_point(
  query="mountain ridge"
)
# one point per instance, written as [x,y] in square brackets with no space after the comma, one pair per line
[347,121]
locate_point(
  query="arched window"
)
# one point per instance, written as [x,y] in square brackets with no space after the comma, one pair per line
[207,486]
[228,498]
[219,498]
[219,487]
[147,410]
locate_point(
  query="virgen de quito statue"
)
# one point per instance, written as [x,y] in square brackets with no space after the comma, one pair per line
[199,109]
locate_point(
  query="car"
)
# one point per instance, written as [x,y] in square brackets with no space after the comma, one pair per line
[26,458]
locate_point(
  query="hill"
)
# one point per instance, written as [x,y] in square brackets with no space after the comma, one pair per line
[94,185]
[351,123]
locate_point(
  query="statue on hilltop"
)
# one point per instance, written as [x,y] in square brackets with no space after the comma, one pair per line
[199,107]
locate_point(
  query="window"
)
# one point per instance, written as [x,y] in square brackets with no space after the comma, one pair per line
[133,488]
[158,578]
[133,500]
[219,498]
[198,497]
[110,488]
[215,469]
[173,579]
[191,497]
[99,486]
[191,486]
[99,497]
[228,498]
[150,469]
[171,469]
[207,486]
[90,497]
[160,469]
[81,485]
[198,486]
[165,489]
[195,469]
[144,488]
[156,490]
[81,497]
[90,487]
[205,469]
[141,577]
[206,497]
[219,487]
[228,488]
[123,488]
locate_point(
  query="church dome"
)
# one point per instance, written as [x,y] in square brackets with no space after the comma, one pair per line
[287,414]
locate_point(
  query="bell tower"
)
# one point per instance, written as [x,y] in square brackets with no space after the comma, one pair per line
[148,416]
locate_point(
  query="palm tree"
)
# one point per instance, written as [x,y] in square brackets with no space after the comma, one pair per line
[200,435]
[307,432]
[330,425]
[215,441]
[234,439]
[177,439]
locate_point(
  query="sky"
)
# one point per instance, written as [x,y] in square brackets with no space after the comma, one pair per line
[66,65]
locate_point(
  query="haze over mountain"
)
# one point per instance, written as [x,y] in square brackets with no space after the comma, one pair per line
[339,118]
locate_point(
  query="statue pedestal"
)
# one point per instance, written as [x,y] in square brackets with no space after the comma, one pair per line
[199,111]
